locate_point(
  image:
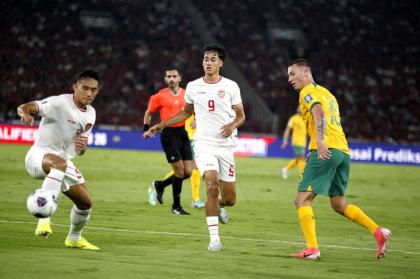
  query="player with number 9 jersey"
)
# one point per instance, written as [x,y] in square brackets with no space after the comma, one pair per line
[217,104]
[213,108]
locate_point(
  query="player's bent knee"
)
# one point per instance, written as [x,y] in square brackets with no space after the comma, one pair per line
[85,204]
[230,202]
[60,165]
[212,189]
[338,208]
[52,161]
[298,203]
[187,174]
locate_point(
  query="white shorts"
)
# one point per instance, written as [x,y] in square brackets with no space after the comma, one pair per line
[218,158]
[33,164]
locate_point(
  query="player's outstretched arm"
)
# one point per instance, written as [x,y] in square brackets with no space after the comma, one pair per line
[179,117]
[26,112]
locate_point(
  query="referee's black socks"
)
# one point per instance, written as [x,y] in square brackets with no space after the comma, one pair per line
[176,191]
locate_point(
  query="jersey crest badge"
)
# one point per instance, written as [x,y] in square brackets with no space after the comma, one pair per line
[308,98]
[221,93]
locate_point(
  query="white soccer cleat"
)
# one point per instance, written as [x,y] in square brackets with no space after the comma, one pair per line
[152,195]
[198,204]
[284,173]
[215,246]
[223,216]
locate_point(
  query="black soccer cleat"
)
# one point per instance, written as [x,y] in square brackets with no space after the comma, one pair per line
[159,191]
[179,211]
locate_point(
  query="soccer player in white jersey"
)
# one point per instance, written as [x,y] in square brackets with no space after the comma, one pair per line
[217,104]
[66,123]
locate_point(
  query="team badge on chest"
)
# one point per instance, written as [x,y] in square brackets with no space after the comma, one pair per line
[221,93]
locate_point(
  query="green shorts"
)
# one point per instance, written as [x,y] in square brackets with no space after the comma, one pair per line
[326,177]
[299,151]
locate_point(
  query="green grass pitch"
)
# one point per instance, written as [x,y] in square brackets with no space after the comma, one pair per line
[141,241]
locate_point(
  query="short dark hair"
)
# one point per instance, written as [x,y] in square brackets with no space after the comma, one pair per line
[216,48]
[88,74]
[300,62]
[171,68]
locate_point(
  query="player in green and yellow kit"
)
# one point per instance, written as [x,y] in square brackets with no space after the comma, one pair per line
[298,128]
[328,166]
[195,176]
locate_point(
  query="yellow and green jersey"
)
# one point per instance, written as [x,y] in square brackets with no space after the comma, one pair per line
[188,128]
[334,136]
[298,130]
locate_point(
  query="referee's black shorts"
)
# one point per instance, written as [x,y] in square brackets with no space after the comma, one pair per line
[176,144]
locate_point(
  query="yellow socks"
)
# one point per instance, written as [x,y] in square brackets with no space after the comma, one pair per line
[195,185]
[307,223]
[291,164]
[168,174]
[359,217]
[301,165]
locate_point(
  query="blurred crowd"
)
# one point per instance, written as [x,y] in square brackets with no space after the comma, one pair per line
[45,44]
[365,52]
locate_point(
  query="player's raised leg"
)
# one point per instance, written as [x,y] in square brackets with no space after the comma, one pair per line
[355,214]
[157,189]
[55,168]
[79,216]
[182,169]
[227,198]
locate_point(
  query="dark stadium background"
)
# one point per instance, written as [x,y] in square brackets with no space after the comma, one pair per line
[366,52]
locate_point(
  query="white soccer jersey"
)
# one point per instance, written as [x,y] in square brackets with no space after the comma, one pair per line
[213,108]
[61,122]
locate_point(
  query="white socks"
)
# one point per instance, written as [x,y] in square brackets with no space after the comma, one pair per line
[53,182]
[213,225]
[78,219]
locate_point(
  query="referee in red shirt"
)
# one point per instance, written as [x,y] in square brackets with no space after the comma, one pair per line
[174,139]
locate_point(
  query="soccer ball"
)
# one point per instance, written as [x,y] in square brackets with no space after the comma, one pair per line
[41,203]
